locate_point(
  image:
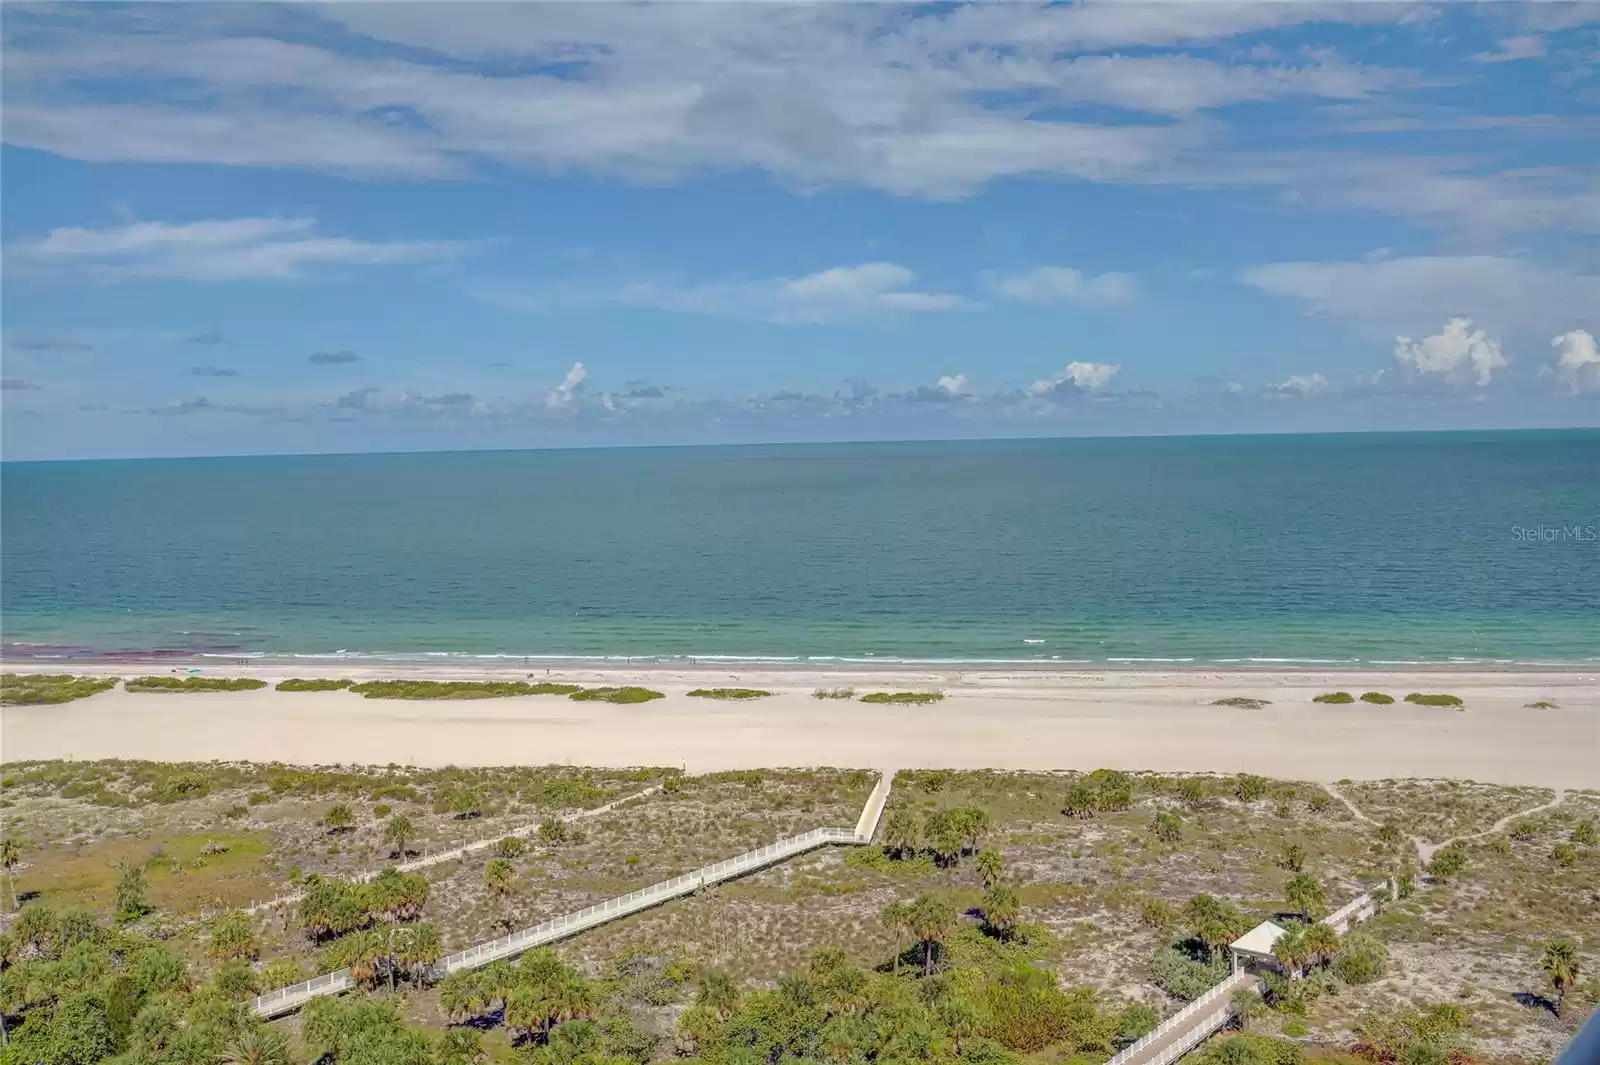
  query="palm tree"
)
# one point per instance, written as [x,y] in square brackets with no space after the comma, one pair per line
[896,918]
[571,1000]
[10,858]
[1291,951]
[902,834]
[258,1046]
[931,918]
[364,954]
[339,818]
[399,830]
[973,822]
[462,995]
[1294,856]
[1305,894]
[1561,966]
[525,1009]
[1322,943]
[992,867]
[1000,905]
[1248,1005]
[501,876]
[1081,799]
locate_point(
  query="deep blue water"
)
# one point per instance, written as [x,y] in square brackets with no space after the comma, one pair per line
[1373,548]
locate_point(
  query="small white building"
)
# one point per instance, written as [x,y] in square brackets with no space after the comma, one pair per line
[1253,950]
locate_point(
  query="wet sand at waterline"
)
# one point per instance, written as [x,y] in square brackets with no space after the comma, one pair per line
[1000,719]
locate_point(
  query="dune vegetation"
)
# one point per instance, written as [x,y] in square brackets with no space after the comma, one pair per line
[316,684]
[32,689]
[1434,699]
[834,693]
[1334,697]
[1242,702]
[729,693]
[457,689]
[1377,698]
[916,698]
[193,684]
[628,694]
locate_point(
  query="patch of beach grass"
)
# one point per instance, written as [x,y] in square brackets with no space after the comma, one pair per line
[458,689]
[915,698]
[729,693]
[1334,697]
[1434,699]
[1541,704]
[1377,698]
[35,689]
[193,684]
[629,694]
[317,684]
[834,693]
[1242,702]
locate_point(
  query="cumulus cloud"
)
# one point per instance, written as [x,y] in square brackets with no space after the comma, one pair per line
[1577,364]
[949,388]
[1299,386]
[1052,285]
[212,371]
[565,395]
[333,358]
[1076,379]
[1458,354]
[215,250]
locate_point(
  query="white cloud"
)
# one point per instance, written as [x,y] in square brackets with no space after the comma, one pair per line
[1046,285]
[1409,295]
[1299,386]
[1577,363]
[920,102]
[1076,379]
[216,250]
[565,395]
[1458,354]
[838,293]
[958,385]
[1526,46]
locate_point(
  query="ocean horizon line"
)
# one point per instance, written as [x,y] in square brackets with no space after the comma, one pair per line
[1546,432]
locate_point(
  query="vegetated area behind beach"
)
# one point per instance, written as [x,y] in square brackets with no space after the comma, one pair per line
[1089,882]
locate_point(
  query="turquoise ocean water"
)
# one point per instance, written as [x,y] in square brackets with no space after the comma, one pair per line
[1364,549]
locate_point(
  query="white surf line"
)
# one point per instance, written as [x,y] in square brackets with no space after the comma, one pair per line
[463,850]
[287,999]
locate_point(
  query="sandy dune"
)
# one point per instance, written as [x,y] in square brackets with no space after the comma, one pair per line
[1011,719]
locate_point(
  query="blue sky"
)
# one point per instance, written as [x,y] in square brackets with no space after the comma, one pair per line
[240,229]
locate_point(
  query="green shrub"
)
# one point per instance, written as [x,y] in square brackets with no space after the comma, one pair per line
[917,698]
[318,684]
[1584,832]
[1423,699]
[1182,977]
[510,847]
[36,689]
[630,694]
[1361,959]
[1447,863]
[1242,702]
[729,693]
[834,693]
[194,684]
[1334,697]
[457,689]
[1294,1028]
[1167,827]
[1564,855]
[1377,698]
[1542,704]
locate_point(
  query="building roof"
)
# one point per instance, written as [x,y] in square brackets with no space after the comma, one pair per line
[1258,940]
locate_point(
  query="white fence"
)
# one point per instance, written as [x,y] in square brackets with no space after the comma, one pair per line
[1205,1014]
[294,996]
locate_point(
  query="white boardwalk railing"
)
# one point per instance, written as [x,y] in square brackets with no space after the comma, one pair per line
[1192,1023]
[287,999]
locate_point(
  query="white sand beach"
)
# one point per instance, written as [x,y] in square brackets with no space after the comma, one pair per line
[1003,719]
